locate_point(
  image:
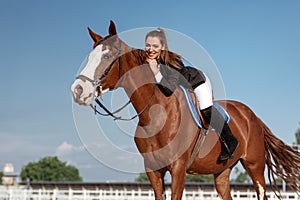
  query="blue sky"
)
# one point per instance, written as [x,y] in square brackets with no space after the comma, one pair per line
[254,44]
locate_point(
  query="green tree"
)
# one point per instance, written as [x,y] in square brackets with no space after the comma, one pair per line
[206,178]
[298,136]
[1,175]
[242,177]
[142,178]
[279,180]
[50,169]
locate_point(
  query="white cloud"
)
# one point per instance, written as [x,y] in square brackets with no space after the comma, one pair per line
[67,149]
[64,149]
[72,154]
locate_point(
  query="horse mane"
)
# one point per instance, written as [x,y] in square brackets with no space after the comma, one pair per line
[140,55]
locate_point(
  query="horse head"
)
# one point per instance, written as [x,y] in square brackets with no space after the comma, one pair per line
[103,68]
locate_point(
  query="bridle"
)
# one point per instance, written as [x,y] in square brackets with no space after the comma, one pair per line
[97,87]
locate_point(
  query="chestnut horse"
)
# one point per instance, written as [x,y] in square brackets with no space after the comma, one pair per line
[166,133]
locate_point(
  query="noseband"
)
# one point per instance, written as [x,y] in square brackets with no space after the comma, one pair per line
[97,87]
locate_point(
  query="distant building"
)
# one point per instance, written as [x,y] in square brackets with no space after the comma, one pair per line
[9,176]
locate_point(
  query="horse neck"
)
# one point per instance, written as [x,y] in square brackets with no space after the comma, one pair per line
[138,80]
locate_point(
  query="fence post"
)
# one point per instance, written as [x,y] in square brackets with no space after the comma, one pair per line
[84,194]
[10,194]
[100,194]
[54,194]
[40,194]
[132,194]
[184,194]
[70,195]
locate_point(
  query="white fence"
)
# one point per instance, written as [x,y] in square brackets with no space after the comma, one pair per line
[19,193]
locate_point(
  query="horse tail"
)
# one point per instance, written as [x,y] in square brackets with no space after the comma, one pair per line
[282,161]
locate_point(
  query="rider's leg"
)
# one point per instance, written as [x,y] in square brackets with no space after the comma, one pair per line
[216,120]
[205,100]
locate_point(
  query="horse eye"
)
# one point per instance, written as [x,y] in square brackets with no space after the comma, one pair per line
[106,56]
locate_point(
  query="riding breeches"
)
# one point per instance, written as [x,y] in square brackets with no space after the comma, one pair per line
[204,94]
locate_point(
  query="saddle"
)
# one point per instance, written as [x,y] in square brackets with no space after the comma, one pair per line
[195,112]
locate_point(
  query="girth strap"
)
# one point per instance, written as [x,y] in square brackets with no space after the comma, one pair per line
[200,140]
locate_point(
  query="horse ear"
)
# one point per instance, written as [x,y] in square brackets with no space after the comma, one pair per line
[112,28]
[94,36]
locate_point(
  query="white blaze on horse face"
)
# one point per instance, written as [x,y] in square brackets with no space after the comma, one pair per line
[83,90]
[94,60]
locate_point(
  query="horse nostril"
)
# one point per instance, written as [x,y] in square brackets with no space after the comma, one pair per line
[78,90]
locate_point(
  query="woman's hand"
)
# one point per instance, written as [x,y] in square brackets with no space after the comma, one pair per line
[153,65]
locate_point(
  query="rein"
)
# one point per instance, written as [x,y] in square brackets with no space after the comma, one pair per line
[112,114]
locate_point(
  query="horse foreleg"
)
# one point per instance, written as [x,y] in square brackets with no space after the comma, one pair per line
[222,184]
[157,181]
[178,181]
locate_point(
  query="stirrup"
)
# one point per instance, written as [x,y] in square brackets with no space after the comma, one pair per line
[229,155]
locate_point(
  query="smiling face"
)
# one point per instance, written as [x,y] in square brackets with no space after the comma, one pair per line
[153,47]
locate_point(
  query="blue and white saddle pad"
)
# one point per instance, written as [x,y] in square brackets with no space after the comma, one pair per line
[195,113]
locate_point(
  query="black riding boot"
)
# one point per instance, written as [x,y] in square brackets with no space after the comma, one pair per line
[228,141]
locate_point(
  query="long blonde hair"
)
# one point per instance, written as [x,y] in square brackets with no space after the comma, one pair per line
[167,57]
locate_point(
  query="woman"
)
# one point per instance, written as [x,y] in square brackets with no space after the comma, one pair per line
[169,71]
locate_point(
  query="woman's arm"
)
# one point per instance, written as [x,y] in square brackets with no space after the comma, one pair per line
[166,77]
[169,79]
